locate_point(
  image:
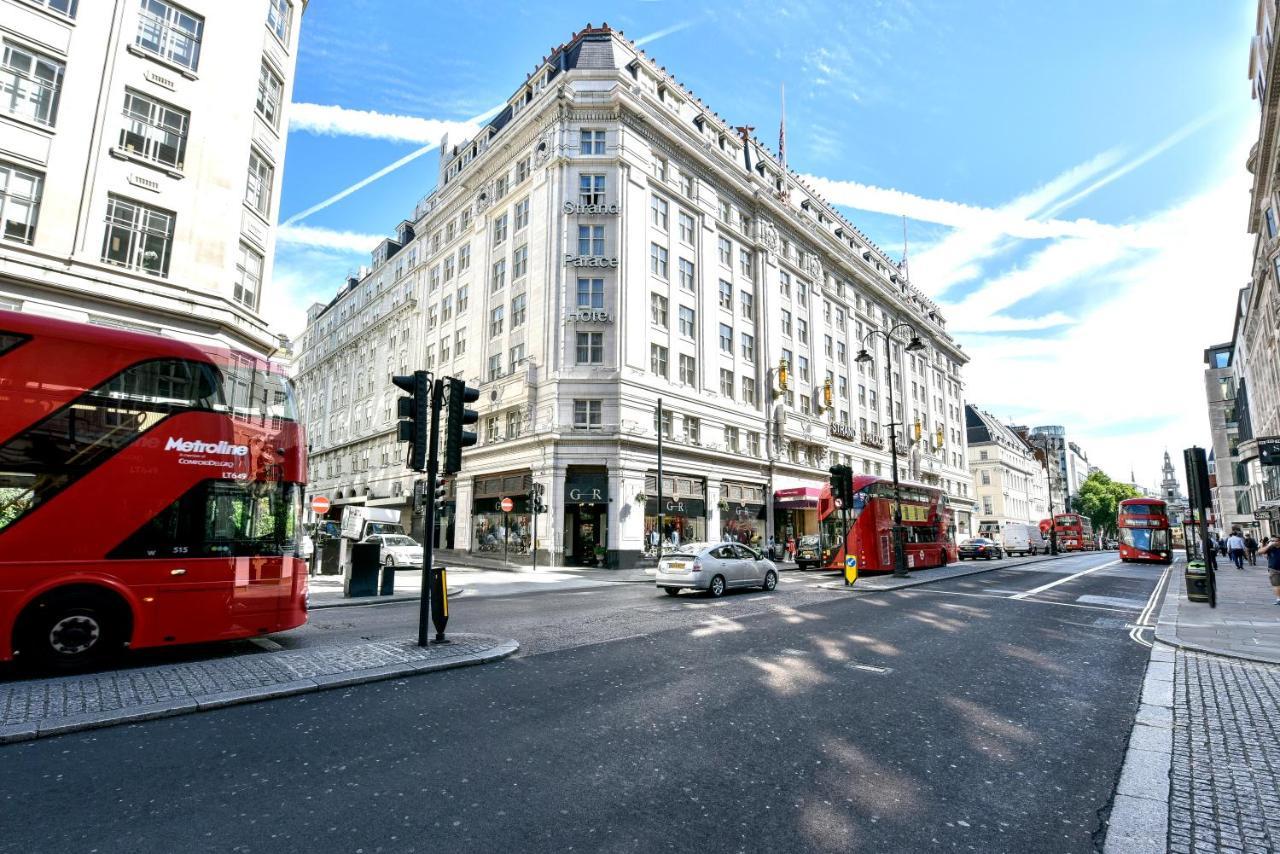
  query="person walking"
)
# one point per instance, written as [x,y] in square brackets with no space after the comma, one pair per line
[1251,549]
[1271,549]
[1235,549]
[791,549]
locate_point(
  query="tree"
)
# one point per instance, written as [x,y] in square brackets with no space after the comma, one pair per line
[1099,498]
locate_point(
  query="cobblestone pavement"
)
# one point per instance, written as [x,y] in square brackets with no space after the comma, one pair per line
[1225,793]
[186,686]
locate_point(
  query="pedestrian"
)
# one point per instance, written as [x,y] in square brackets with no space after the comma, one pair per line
[1271,549]
[1251,549]
[1222,545]
[791,548]
[1235,548]
[653,539]
[773,548]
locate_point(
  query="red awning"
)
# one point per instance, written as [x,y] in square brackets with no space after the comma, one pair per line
[799,498]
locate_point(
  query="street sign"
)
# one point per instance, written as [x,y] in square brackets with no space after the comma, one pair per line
[839,503]
[850,569]
[320,505]
[507,505]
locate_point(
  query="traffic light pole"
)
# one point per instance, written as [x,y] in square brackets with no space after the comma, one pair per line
[429,523]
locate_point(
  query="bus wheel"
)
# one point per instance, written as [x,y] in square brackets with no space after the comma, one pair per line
[72,629]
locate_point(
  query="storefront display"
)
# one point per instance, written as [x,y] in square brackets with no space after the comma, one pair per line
[684,511]
[495,532]
[742,514]
[586,516]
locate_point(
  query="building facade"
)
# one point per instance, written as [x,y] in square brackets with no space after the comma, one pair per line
[1068,463]
[1171,492]
[610,263]
[141,154]
[1228,427]
[1008,480]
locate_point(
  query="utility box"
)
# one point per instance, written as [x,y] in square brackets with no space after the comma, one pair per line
[1197,580]
[361,576]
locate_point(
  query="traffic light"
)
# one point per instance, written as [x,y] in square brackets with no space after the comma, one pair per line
[414,412]
[457,438]
[535,498]
[441,493]
[842,484]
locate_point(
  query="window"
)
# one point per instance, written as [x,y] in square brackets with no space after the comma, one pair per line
[498,280]
[689,186]
[460,343]
[523,169]
[270,94]
[154,130]
[842,386]
[686,228]
[725,249]
[517,311]
[519,263]
[20,191]
[446,308]
[665,424]
[786,322]
[279,17]
[170,32]
[688,370]
[724,211]
[658,309]
[591,240]
[30,84]
[591,189]
[138,237]
[591,293]
[1271,222]
[726,339]
[586,414]
[431,317]
[802,330]
[687,322]
[660,168]
[802,368]
[449,268]
[590,346]
[726,295]
[257,190]
[731,438]
[692,429]
[496,317]
[805,408]
[748,302]
[748,346]
[464,258]
[62,7]
[784,283]
[248,277]
[500,186]
[444,350]
[515,421]
[658,260]
[802,293]
[744,262]
[658,209]
[749,390]
[753,444]
[495,367]
[726,382]
[591,142]
[658,359]
[499,229]
[522,214]
[840,319]
[433,280]
[462,298]
[516,357]
[840,354]
[686,272]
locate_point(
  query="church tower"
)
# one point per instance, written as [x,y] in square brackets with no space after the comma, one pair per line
[1171,492]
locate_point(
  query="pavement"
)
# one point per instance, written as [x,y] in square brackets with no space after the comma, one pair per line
[1202,770]
[986,713]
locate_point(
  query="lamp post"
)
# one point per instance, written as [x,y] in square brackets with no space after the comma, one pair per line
[1042,454]
[914,346]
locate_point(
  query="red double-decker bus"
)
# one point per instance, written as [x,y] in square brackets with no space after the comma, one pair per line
[926,519]
[150,493]
[1144,531]
[1075,532]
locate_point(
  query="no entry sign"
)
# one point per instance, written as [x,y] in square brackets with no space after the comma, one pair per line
[320,505]
[507,505]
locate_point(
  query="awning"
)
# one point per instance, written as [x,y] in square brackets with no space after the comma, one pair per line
[799,498]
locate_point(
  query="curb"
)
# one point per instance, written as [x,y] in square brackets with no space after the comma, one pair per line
[918,581]
[1139,819]
[1167,631]
[454,593]
[172,708]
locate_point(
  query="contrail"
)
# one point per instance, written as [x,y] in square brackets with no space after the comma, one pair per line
[381,173]
[674,28]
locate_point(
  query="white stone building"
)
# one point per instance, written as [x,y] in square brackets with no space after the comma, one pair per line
[1009,481]
[141,153]
[605,242]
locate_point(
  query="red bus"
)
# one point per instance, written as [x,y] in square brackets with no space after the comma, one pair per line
[150,493]
[1075,532]
[925,516]
[1144,531]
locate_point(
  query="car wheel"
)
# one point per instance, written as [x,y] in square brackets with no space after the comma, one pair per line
[671,591]
[716,588]
[770,580]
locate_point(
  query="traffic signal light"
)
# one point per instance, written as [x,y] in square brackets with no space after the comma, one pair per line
[441,493]
[842,484]
[457,438]
[414,412]
[535,498]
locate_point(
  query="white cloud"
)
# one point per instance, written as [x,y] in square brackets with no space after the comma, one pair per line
[343,241]
[332,120]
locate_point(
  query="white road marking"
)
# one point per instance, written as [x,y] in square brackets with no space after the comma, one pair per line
[1072,577]
[1136,631]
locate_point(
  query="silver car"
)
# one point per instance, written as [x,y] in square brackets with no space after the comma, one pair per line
[715,568]
[397,549]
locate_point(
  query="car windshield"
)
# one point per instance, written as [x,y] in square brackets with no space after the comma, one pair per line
[975,542]
[809,541]
[399,541]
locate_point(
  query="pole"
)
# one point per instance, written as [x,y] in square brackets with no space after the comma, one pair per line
[899,561]
[533,513]
[429,523]
[659,522]
[506,536]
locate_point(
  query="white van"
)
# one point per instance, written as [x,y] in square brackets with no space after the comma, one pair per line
[1021,538]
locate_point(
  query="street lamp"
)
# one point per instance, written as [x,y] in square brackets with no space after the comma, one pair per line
[1042,454]
[914,346]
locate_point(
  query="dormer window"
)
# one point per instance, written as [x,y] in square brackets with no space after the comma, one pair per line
[699,123]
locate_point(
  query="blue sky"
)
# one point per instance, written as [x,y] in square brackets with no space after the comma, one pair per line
[1072,173]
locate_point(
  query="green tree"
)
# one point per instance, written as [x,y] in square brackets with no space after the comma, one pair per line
[1099,498]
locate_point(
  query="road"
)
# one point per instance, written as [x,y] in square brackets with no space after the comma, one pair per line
[983,713]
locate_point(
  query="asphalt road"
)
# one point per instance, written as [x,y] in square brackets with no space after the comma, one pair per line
[986,713]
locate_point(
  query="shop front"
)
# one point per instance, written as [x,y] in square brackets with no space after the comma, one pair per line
[742,514]
[586,516]
[495,532]
[684,511]
[795,512]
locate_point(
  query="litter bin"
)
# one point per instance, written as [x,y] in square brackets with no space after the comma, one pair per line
[362,576]
[388,586]
[1197,579]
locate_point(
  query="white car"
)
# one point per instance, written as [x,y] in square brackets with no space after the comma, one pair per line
[715,568]
[397,549]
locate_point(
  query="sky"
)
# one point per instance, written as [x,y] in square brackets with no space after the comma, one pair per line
[1072,174]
